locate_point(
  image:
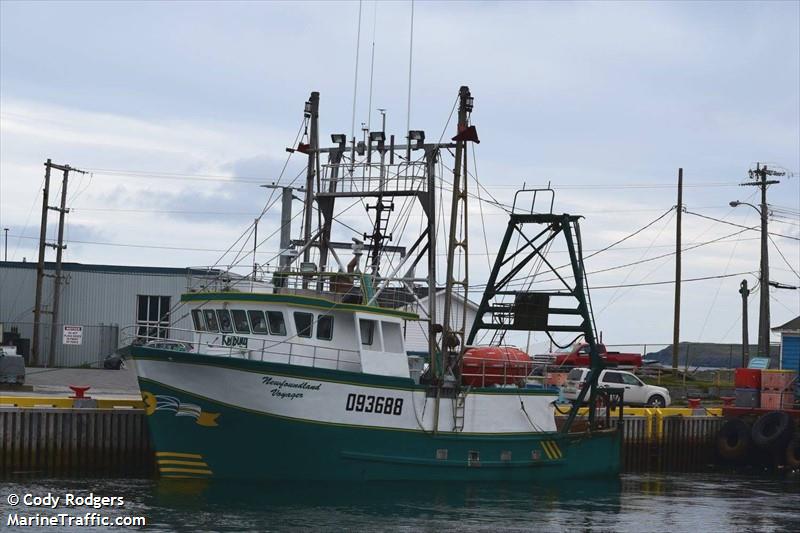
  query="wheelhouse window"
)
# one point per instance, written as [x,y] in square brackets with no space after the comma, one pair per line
[392,337]
[304,324]
[211,320]
[152,316]
[325,327]
[197,319]
[225,324]
[240,321]
[367,332]
[277,326]
[257,321]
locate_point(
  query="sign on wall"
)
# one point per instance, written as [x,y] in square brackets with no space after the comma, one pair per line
[73,335]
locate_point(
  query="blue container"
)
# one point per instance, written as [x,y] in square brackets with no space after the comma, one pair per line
[748,398]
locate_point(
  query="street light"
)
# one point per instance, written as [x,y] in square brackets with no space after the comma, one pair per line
[763,282]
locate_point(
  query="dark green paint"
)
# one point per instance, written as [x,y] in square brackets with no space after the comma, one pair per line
[291,299]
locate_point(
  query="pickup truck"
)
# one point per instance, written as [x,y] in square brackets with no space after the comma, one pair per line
[579,356]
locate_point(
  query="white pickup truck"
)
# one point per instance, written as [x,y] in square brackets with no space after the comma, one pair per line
[636,391]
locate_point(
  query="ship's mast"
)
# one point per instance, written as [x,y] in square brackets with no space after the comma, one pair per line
[453,326]
[312,114]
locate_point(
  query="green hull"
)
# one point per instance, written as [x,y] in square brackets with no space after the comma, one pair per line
[250,445]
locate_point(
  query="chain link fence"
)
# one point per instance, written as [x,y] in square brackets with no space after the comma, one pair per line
[77,345]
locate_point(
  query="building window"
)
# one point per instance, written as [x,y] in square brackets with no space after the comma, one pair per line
[277,326]
[257,322]
[152,316]
[325,327]
[240,321]
[197,318]
[304,324]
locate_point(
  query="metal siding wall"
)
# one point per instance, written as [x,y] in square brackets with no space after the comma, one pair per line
[417,331]
[790,351]
[89,298]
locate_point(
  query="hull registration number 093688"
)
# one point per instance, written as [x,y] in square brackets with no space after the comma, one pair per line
[366,403]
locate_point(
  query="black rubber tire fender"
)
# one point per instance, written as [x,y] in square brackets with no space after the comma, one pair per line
[793,453]
[733,439]
[773,430]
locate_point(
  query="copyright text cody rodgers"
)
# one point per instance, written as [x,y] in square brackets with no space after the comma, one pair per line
[68,510]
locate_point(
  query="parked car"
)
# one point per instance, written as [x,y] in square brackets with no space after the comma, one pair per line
[636,391]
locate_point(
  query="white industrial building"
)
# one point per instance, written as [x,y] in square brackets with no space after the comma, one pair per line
[417,331]
[102,299]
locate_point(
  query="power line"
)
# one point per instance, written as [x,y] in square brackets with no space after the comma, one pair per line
[670,282]
[783,256]
[740,226]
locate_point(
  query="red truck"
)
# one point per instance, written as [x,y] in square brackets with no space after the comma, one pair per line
[579,356]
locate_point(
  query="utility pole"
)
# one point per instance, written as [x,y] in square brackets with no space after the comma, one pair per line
[6,255]
[676,328]
[60,246]
[759,177]
[745,292]
[37,308]
[36,355]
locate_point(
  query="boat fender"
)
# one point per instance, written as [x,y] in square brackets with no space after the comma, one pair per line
[733,439]
[793,453]
[773,430]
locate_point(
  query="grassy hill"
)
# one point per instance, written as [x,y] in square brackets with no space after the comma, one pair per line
[706,354]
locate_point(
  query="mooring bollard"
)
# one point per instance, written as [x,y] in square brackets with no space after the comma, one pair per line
[80,399]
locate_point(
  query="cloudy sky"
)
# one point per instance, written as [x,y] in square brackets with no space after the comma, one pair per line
[180,110]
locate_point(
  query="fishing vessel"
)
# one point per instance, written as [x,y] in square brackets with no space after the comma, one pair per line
[300,371]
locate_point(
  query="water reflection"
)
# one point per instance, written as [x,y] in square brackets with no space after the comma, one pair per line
[686,502]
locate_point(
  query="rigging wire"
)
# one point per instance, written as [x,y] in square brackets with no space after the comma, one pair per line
[372,62]
[410,63]
[355,77]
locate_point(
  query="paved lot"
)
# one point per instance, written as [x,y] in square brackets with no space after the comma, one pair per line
[56,381]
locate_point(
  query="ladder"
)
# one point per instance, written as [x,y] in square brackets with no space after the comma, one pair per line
[459,403]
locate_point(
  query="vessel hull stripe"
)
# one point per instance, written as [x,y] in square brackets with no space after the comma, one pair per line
[186,470]
[546,449]
[557,450]
[177,454]
[181,463]
[456,435]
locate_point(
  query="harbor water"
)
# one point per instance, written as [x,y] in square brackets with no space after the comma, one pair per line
[653,502]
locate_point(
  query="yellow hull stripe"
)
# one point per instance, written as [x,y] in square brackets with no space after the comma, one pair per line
[175,454]
[183,463]
[547,450]
[556,449]
[186,470]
